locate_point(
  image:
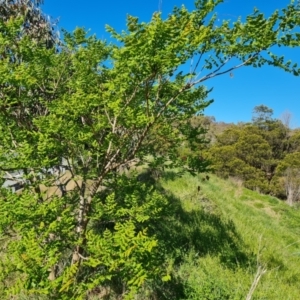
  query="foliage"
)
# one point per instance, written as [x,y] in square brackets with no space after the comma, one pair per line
[118,248]
[254,151]
[261,114]
[72,117]
[35,24]
[287,178]
[294,141]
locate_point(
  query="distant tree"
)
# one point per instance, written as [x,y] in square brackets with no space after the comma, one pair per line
[261,115]
[277,135]
[221,158]
[35,24]
[253,149]
[292,184]
[287,177]
[259,149]
[244,154]
[229,136]
[286,118]
[293,143]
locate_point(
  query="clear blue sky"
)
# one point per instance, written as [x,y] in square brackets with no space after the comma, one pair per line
[234,97]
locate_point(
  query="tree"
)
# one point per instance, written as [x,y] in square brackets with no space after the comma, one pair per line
[262,115]
[243,153]
[287,177]
[91,109]
[35,24]
[292,185]
[294,141]
[286,118]
[277,135]
[229,136]
[251,151]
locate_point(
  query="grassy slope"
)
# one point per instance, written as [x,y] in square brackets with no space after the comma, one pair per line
[232,232]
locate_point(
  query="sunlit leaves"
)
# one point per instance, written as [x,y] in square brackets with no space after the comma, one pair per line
[73,116]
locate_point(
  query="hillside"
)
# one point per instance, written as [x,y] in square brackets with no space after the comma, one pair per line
[231,234]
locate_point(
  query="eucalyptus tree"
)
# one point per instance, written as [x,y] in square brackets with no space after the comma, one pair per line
[287,178]
[99,107]
[35,24]
[262,114]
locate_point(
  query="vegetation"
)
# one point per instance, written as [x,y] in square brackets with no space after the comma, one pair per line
[263,154]
[230,234]
[75,114]
[35,24]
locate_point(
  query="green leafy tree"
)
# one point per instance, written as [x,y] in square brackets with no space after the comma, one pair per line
[221,158]
[262,114]
[244,154]
[260,145]
[35,24]
[293,144]
[277,137]
[71,119]
[230,136]
[287,178]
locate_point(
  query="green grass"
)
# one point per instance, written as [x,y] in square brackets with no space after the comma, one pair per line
[235,231]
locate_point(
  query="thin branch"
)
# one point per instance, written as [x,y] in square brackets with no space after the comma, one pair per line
[214,74]
[219,68]
[107,115]
[199,60]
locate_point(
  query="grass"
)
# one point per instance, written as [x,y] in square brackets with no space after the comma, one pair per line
[238,232]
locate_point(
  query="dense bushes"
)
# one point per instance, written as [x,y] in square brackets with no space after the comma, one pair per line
[259,153]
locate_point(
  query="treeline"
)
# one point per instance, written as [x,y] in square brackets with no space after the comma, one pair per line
[264,153]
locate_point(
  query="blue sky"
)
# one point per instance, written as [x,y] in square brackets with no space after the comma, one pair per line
[234,97]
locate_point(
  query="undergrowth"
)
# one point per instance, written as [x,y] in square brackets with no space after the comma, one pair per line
[216,237]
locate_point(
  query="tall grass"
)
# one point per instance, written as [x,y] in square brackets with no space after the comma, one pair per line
[250,232]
